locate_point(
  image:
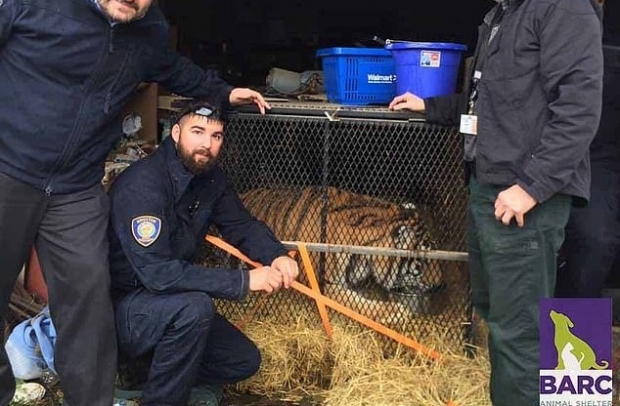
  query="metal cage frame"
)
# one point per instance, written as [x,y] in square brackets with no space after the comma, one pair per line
[391,156]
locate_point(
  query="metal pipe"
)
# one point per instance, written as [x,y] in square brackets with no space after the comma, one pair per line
[394,252]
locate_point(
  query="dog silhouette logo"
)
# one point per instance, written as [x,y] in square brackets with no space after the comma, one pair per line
[574,354]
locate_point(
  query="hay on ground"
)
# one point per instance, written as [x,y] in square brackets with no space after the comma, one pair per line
[359,367]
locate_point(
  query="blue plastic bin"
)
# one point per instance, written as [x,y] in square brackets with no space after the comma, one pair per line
[426,69]
[358,76]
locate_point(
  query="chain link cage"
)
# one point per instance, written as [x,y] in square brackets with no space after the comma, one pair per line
[379,185]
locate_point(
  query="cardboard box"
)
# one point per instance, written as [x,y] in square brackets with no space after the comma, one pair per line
[170,102]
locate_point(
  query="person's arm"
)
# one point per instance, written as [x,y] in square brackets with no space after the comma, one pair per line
[182,76]
[154,265]
[242,230]
[252,237]
[444,110]
[571,61]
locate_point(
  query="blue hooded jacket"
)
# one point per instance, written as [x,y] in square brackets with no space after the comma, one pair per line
[65,76]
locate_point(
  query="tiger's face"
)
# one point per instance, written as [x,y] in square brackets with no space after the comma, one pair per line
[399,272]
[389,227]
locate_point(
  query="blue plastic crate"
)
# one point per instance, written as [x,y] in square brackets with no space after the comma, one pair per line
[426,69]
[358,76]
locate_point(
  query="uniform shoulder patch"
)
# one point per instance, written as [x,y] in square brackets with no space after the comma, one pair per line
[145,229]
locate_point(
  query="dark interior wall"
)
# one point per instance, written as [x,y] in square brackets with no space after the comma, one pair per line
[245,38]
[281,21]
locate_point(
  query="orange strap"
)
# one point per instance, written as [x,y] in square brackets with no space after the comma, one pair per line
[325,301]
[314,284]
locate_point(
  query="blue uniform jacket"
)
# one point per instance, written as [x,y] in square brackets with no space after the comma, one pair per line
[65,75]
[159,217]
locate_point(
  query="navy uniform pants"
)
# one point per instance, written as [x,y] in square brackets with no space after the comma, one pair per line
[592,232]
[70,235]
[511,269]
[190,343]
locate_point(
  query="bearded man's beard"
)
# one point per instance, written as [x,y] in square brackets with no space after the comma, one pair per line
[189,160]
[119,17]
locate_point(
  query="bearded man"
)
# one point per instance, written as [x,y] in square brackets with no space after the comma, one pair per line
[161,209]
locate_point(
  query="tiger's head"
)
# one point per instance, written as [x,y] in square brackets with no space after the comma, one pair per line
[376,223]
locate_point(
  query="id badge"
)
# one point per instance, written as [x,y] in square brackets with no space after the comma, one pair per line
[469,124]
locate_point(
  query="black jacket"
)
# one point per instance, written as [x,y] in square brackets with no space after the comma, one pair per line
[539,99]
[159,217]
[65,75]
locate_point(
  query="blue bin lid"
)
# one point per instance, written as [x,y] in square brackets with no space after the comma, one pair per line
[401,45]
[352,52]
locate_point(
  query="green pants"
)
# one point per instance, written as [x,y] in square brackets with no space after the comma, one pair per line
[511,269]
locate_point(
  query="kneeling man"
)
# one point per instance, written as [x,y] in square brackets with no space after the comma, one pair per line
[161,209]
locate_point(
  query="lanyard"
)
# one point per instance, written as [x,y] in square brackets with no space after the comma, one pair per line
[481,56]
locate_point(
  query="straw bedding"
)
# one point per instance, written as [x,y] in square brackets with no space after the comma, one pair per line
[358,367]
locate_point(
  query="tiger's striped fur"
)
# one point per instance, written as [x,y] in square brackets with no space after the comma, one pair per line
[351,219]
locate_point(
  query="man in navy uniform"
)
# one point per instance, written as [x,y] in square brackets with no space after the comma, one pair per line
[161,209]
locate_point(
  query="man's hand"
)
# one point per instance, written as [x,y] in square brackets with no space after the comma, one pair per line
[407,101]
[265,278]
[513,202]
[288,268]
[242,95]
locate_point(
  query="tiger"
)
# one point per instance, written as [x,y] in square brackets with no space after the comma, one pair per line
[360,220]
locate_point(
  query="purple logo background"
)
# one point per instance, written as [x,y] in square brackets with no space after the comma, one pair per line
[592,320]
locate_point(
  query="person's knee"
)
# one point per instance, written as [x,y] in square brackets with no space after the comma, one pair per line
[252,362]
[196,311]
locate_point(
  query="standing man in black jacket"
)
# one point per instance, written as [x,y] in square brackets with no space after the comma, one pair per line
[161,209]
[528,119]
[67,67]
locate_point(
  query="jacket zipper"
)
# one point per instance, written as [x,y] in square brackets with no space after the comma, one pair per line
[108,97]
[71,143]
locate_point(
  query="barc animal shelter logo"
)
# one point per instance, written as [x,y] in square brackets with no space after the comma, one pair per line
[575,352]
